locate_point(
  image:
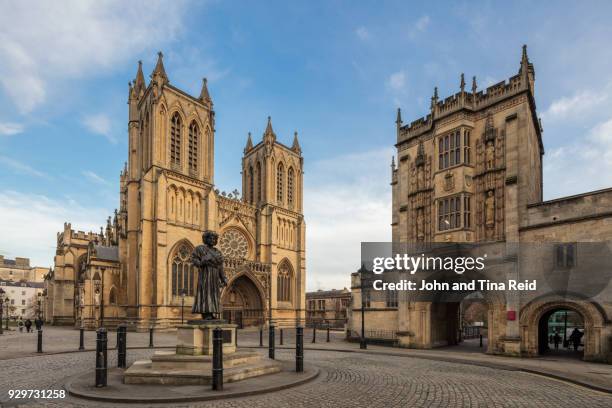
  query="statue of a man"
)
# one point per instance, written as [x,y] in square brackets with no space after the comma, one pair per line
[211,278]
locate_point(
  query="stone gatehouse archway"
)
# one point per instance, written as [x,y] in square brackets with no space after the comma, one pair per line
[243,302]
[534,312]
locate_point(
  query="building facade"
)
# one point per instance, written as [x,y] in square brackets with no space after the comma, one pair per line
[136,269]
[471,172]
[327,308]
[19,269]
[22,299]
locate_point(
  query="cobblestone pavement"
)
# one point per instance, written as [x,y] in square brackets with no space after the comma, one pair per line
[346,380]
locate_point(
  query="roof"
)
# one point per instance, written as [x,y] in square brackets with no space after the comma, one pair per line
[36,285]
[107,253]
[328,293]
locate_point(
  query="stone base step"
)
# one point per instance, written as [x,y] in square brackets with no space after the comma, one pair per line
[142,372]
[163,360]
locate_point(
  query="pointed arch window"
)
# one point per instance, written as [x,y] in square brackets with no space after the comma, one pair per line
[290,186]
[183,274]
[258,187]
[194,136]
[175,140]
[280,174]
[284,282]
[112,296]
[251,185]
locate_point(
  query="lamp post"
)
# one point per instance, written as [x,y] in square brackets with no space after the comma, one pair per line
[183,293]
[2,294]
[362,341]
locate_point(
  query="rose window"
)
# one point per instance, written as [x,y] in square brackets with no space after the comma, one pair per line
[233,244]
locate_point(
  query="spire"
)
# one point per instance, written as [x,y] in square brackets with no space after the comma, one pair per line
[269,133]
[462,84]
[434,98]
[524,60]
[296,144]
[159,73]
[204,95]
[474,87]
[249,144]
[139,82]
[398,121]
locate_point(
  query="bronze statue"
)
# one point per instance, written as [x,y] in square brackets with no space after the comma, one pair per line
[211,278]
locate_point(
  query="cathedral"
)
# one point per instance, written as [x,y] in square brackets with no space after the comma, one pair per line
[470,172]
[136,270]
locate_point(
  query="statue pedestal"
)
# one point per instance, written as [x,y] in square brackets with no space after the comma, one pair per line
[196,339]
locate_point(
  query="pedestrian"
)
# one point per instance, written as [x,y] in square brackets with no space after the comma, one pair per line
[28,325]
[575,338]
[557,340]
[20,324]
[38,323]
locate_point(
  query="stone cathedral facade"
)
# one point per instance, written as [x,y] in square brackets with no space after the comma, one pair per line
[471,172]
[136,269]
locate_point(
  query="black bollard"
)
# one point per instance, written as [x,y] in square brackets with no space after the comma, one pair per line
[81,339]
[151,337]
[260,337]
[281,337]
[271,340]
[121,346]
[481,340]
[299,349]
[101,357]
[217,370]
[328,333]
[39,346]
[314,334]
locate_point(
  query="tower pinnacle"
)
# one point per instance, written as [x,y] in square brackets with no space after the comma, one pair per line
[159,73]
[204,95]
[249,144]
[296,144]
[462,83]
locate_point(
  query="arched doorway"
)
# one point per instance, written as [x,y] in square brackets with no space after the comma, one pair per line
[243,303]
[560,333]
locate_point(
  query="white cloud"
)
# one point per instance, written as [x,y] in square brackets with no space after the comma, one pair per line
[362,33]
[101,125]
[572,106]
[22,168]
[95,178]
[30,222]
[347,201]
[584,166]
[9,128]
[42,43]
[419,26]
[397,81]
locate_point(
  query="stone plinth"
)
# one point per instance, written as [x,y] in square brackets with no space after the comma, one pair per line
[197,339]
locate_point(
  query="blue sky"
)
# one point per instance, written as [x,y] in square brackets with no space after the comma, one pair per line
[335,71]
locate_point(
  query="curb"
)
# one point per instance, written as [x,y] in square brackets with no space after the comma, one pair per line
[88,396]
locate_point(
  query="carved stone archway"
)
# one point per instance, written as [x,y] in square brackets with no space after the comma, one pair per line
[243,301]
[593,319]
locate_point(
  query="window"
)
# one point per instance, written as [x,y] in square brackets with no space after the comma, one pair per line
[112,296]
[391,298]
[175,140]
[467,212]
[251,185]
[466,147]
[321,304]
[449,150]
[22,302]
[258,187]
[280,175]
[194,136]
[182,272]
[311,305]
[23,293]
[565,255]
[283,282]
[367,298]
[290,187]
[449,213]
